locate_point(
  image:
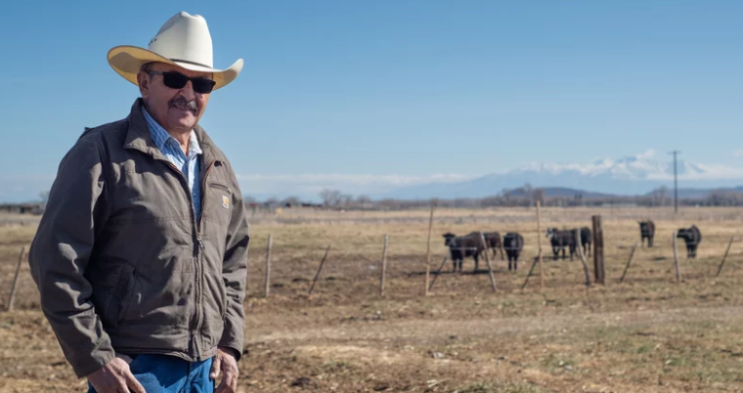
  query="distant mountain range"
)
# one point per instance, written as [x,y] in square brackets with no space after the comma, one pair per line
[635,175]
[557,192]
[561,192]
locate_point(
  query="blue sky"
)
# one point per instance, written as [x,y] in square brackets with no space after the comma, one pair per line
[392,91]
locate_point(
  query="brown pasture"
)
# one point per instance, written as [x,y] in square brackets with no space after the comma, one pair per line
[649,334]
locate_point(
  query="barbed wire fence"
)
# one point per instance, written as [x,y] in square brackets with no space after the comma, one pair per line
[379,265]
[483,251]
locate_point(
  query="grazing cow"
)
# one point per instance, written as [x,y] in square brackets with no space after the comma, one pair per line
[493,241]
[692,236]
[647,231]
[513,243]
[585,240]
[560,240]
[461,247]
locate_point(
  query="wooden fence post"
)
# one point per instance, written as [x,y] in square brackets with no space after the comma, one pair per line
[539,245]
[533,265]
[319,269]
[487,260]
[631,255]
[598,250]
[384,266]
[267,288]
[428,279]
[428,249]
[719,269]
[15,279]
[676,259]
[579,246]
[438,272]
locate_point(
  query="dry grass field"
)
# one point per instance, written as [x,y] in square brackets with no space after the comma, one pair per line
[649,334]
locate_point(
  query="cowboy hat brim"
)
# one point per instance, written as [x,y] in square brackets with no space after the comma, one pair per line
[127,60]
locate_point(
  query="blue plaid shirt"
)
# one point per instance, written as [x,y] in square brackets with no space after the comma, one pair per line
[171,149]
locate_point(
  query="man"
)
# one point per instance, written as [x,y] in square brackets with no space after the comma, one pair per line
[141,255]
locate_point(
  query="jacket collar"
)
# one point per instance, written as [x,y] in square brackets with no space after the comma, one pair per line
[138,137]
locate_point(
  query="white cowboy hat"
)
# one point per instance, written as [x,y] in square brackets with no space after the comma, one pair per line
[184,40]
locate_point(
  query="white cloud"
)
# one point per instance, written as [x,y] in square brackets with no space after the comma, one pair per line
[358,179]
[311,184]
[738,153]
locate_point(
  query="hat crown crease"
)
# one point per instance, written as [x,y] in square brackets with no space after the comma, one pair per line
[184,37]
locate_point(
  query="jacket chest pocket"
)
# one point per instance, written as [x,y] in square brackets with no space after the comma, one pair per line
[218,201]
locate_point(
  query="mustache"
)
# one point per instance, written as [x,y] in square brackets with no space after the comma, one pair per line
[182,103]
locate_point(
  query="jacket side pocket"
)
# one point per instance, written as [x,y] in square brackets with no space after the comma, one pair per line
[119,303]
[128,295]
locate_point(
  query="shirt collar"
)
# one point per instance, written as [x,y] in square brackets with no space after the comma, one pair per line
[193,145]
[161,137]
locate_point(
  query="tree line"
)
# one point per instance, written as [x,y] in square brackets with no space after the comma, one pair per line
[525,196]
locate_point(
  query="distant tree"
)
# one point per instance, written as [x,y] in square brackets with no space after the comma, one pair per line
[363,200]
[658,196]
[537,196]
[249,199]
[272,202]
[330,198]
[527,189]
[345,200]
[723,198]
[506,195]
[291,202]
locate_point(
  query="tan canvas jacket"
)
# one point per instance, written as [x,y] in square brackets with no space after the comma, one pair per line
[121,261]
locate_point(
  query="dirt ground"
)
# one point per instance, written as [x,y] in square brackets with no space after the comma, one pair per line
[648,334]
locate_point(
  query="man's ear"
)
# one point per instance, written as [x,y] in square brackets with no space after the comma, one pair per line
[143,80]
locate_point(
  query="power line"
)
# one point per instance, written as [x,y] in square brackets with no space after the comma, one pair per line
[675,182]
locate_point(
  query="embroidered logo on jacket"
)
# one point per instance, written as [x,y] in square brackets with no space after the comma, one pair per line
[225,202]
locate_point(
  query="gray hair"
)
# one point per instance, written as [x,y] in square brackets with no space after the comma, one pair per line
[146,67]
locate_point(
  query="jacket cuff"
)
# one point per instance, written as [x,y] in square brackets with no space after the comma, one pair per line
[233,345]
[230,338]
[86,364]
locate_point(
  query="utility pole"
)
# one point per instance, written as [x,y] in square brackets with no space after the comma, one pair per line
[675,182]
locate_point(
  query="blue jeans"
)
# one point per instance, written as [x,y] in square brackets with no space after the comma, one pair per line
[169,374]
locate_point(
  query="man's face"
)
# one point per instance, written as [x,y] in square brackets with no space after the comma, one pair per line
[177,110]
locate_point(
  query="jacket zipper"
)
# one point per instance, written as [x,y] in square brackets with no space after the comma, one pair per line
[197,247]
[201,245]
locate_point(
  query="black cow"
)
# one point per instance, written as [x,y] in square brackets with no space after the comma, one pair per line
[493,241]
[461,247]
[692,236]
[585,240]
[560,240]
[513,243]
[647,231]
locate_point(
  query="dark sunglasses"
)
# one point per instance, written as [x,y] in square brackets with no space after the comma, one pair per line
[176,80]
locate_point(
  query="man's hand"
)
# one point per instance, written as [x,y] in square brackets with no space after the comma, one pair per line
[225,362]
[115,377]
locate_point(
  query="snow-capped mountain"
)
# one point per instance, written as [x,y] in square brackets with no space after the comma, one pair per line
[638,167]
[633,175]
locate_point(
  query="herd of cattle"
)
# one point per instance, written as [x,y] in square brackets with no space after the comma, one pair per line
[472,245]
[692,237]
